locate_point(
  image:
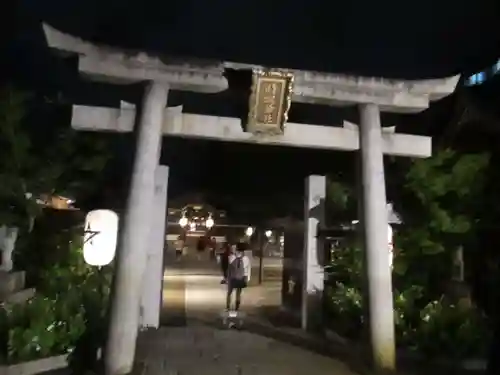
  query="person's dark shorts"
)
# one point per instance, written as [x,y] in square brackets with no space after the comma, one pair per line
[238,283]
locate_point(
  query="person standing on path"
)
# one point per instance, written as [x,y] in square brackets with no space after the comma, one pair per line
[238,276]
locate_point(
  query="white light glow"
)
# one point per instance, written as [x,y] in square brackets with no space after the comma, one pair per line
[249,232]
[192,226]
[210,222]
[100,237]
[183,221]
[269,233]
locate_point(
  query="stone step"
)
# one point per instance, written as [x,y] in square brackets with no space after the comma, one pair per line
[11,282]
[20,297]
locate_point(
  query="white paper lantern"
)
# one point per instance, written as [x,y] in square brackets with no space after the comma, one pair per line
[100,237]
[391,245]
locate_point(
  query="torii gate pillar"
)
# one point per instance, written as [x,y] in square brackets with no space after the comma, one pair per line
[135,235]
[374,227]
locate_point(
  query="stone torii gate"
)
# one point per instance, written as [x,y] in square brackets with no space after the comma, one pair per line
[266,126]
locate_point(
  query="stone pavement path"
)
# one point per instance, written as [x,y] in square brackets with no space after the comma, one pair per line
[192,289]
[205,350]
[192,341]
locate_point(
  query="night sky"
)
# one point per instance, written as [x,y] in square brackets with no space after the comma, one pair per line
[391,39]
[387,38]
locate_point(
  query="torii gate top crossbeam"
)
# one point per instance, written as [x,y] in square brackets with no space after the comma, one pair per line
[103,62]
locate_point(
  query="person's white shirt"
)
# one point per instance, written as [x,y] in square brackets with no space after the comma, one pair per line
[247,267]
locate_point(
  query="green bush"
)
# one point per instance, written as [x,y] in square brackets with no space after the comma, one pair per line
[425,321]
[43,327]
[345,309]
[460,332]
[69,307]
[438,329]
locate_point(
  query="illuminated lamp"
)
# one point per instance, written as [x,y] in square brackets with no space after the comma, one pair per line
[100,237]
[249,232]
[183,221]
[210,222]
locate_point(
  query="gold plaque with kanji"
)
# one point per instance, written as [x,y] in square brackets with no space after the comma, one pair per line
[269,102]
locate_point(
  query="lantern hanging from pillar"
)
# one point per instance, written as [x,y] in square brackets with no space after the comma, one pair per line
[100,237]
[390,243]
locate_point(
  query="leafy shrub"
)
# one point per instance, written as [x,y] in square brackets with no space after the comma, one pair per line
[345,309]
[69,307]
[459,332]
[437,329]
[43,327]
[406,319]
